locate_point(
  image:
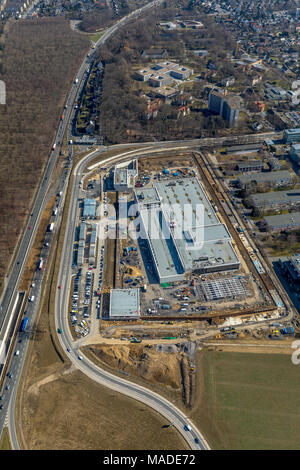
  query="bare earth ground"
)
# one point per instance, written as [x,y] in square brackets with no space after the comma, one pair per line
[248,401]
[166,373]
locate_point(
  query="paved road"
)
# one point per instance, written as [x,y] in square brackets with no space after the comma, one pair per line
[155,401]
[11,288]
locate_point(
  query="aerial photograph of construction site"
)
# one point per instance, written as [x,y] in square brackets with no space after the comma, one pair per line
[150,228]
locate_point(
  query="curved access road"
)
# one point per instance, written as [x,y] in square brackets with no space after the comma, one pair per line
[175,416]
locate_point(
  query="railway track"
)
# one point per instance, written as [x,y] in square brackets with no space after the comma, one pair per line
[217,197]
[209,316]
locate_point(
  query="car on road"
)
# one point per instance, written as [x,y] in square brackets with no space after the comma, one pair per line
[17,353]
[80,358]
[10,375]
[59,287]
[7,387]
[68,350]
[196,440]
[187,427]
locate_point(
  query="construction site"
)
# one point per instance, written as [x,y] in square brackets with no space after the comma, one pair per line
[176,267]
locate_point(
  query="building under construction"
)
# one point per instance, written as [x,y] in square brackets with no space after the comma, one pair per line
[183,231]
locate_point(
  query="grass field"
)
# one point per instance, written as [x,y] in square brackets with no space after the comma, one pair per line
[248,401]
[5,441]
[95,37]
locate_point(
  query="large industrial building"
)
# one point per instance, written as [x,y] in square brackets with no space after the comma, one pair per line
[270,178]
[291,136]
[283,221]
[276,200]
[291,268]
[124,175]
[183,231]
[295,153]
[124,304]
[250,166]
[89,209]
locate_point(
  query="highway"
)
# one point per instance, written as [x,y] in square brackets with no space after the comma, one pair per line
[11,291]
[11,382]
[124,153]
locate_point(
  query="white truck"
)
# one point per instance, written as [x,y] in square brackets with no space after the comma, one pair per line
[31,298]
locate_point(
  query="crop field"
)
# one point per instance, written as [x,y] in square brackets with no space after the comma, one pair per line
[248,401]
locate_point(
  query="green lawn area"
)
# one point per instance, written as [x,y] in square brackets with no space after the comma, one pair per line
[94,37]
[249,401]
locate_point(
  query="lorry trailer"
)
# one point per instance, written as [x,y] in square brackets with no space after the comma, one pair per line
[23,324]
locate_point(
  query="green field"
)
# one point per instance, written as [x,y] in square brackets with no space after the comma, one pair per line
[94,37]
[249,401]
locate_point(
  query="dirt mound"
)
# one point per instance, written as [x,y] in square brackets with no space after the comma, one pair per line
[135,360]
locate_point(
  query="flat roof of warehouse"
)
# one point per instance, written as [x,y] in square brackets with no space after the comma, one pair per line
[124,303]
[266,176]
[147,195]
[293,195]
[186,193]
[283,220]
[89,207]
[193,238]
[161,244]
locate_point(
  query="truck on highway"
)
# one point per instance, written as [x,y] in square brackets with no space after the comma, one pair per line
[23,324]
[76,81]
[50,227]
[54,212]
[31,299]
[54,147]
[41,264]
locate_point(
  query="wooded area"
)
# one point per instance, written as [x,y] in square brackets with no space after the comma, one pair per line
[123,105]
[38,61]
